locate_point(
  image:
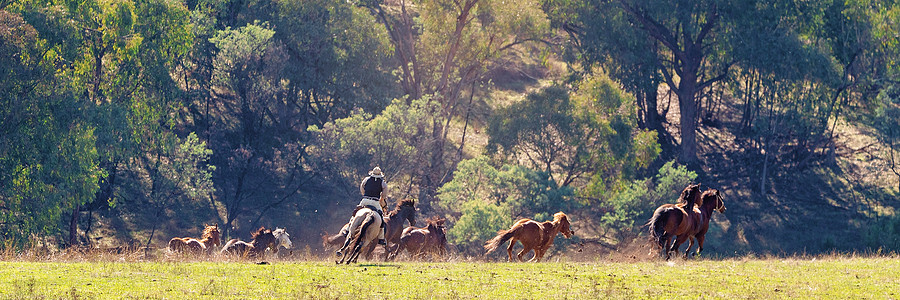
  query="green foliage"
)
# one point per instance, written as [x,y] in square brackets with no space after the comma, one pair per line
[48,155]
[883,234]
[481,199]
[189,171]
[626,210]
[572,137]
[479,222]
[347,148]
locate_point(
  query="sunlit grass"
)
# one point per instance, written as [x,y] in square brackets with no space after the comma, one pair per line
[824,277]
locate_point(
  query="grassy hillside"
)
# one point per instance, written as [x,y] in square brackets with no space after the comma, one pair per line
[840,199]
[834,277]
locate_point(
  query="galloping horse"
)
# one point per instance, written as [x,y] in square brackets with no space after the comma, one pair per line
[364,229]
[209,239]
[671,220]
[393,227]
[712,202]
[533,235]
[263,238]
[420,241]
[283,239]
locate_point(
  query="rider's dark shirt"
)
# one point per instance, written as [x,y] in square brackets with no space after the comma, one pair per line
[373,187]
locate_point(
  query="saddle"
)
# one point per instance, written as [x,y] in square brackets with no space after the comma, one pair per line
[378,211]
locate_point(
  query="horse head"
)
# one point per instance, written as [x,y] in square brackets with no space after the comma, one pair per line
[717,201]
[406,209]
[283,238]
[561,221]
[211,233]
[435,224]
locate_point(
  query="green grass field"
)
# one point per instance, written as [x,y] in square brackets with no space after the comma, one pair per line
[832,277]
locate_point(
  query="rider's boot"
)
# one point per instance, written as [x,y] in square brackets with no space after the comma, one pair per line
[381,235]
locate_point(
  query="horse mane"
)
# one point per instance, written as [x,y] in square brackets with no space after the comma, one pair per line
[557,217]
[435,221]
[400,205]
[260,231]
[708,193]
[685,197]
[207,232]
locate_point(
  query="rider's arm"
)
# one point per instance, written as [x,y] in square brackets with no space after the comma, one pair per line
[362,186]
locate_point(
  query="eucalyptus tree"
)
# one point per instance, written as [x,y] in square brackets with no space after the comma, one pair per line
[48,151]
[681,43]
[442,47]
[298,64]
[574,136]
[111,69]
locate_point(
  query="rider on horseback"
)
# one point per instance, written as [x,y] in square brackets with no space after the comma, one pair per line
[373,189]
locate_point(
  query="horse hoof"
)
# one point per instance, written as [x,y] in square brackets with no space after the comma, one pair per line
[338,253]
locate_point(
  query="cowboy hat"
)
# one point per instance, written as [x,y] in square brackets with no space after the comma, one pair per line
[376,172]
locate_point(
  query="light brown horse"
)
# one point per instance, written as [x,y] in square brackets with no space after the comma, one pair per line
[533,235]
[712,202]
[432,239]
[671,220]
[262,239]
[208,241]
[404,211]
[364,229]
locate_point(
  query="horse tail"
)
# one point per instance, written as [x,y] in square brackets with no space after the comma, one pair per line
[228,246]
[175,244]
[657,224]
[370,218]
[502,237]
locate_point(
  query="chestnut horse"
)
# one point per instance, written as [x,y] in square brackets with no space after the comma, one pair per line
[421,241]
[393,227]
[712,202]
[533,235]
[209,239]
[263,238]
[364,229]
[671,220]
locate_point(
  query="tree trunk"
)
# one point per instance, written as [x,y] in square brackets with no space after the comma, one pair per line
[688,108]
[73,226]
[648,111]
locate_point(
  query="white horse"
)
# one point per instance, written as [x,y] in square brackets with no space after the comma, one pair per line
[282,238]
[364,229]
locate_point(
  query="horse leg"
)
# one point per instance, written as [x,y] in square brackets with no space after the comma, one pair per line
[524,251]
[538,255]
[512,242]
[676,244]
[357,250]
[690,244]
[666,240]
[700,239]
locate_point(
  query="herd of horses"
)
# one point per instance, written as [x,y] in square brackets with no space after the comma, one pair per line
[262,239]
[670,226]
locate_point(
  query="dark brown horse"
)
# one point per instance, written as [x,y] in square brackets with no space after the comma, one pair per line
[432,239]
[263,238]
[534,235]
[671,220]
[404,211]
[712,202]
[208,241]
